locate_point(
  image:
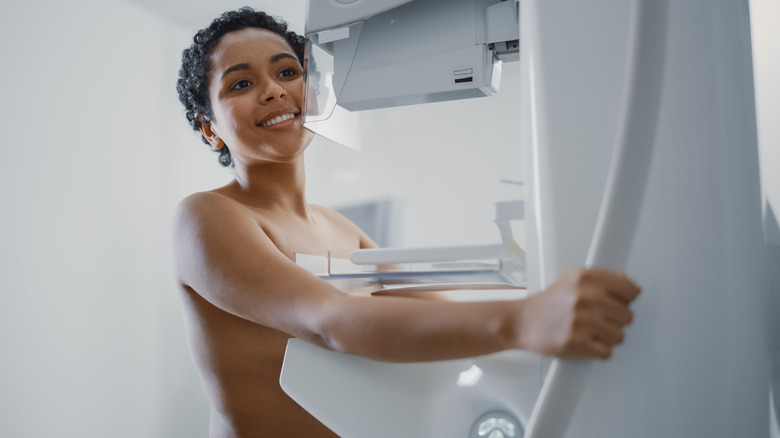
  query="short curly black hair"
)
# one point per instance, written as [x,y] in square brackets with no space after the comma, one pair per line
[193,83]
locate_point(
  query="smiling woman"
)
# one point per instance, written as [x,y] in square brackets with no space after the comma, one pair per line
[244,296]
[198,62]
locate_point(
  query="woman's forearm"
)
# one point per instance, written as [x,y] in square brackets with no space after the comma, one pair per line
[399,329]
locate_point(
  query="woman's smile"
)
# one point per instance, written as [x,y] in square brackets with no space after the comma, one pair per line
[280,120]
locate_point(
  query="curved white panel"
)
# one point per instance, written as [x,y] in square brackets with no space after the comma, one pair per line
[695,361]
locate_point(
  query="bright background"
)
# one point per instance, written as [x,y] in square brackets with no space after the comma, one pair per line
[98,153]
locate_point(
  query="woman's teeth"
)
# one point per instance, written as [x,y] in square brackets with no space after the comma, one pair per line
[278,119]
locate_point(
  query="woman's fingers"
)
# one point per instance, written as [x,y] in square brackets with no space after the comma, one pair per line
[614,311]
[616,284]
[583,345]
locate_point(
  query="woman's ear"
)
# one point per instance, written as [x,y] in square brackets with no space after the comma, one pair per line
[208,132]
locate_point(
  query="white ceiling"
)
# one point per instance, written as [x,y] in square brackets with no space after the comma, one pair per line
[193,15]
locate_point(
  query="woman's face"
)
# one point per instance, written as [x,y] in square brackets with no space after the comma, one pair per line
[256,90]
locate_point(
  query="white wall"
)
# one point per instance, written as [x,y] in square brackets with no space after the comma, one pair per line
[97,153]
[91,336]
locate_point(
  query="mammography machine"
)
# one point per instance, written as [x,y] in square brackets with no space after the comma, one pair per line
[639,131]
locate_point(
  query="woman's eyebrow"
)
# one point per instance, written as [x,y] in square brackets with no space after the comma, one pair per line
[232,68]
[284,55]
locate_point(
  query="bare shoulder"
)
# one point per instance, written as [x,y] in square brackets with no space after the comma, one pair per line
[204,212]
[204,224]
[202,204]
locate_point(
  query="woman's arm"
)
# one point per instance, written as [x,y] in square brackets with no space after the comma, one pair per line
[226,257]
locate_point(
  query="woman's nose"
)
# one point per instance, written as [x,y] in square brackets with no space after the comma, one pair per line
[273,91]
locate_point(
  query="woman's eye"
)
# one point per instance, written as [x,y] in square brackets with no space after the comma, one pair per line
[241,84]
[288,72]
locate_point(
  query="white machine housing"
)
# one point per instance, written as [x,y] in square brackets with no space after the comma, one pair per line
[443,50]
[697,359]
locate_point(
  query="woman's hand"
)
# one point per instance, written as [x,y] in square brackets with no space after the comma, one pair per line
[582,314]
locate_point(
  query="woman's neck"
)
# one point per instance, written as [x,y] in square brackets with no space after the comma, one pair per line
[278,186]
